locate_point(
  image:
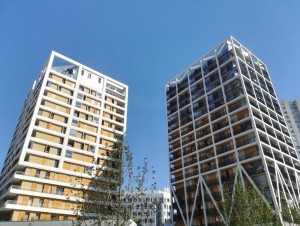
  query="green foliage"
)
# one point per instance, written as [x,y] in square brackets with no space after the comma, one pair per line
[244,206]
[113,191]
[289,213]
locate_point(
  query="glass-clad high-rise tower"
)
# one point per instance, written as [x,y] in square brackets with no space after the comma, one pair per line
[68,122]
[291,113]
[224,120]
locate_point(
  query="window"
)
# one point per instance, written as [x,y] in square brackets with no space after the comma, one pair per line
[37,173]
[88,170]
[89,75]
[76,113]
[71,143]
[47,175]
[48,83]
[26,216]
[81,146]
[69,154]
[99,95]
[56,162]
[41,202]
[58,151]
[96,120]
[92,148]
[78,104]
[82,72]
[54,217]
[99,80]
[59,191]
[37,216]
[75,122]
[80,96]
[40,112]
[47,149]
[30,201]
[30,145]
[61,140]
[72,132]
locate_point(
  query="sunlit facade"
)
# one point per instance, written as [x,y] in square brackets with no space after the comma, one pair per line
[224,120]
[69,119]
[291,113]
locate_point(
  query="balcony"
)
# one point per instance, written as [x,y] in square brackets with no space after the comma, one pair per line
[248,155]
[191,174]
[264,140]
[210,67]
[199,113]
[260,127]
[212,182]
[242,128]
[174,147]
[278,158]
[213,86]
[226,162]
[288,163]
[255,171]
[233,95]
[267,153]
[195,75]
[184,103]
[218,114]
[207,168]
[186,130]
[173,127]
[226,56]
[174,156]
[237,105]
[245,142]
[176,167]
[275,145]
[197,95]
[203,132]
[187,151]
[271,169]
[228,67]
[257,115]
[175,179]
[224,149]
[271,133]
[171,92]
[182,84]
[222,136]
[185,120]
[216,104]
[191,188]
[206,155]
[190,162]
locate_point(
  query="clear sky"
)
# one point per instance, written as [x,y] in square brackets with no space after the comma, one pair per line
[143,44]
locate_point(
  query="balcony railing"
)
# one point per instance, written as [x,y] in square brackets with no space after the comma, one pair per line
[245,142]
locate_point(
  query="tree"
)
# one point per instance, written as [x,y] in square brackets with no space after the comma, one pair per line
[244,206]
[115,187]
[290,214]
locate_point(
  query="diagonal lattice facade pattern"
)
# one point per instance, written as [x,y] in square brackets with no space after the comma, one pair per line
[224,119]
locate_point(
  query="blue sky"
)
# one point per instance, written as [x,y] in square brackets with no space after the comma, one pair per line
[143,44]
